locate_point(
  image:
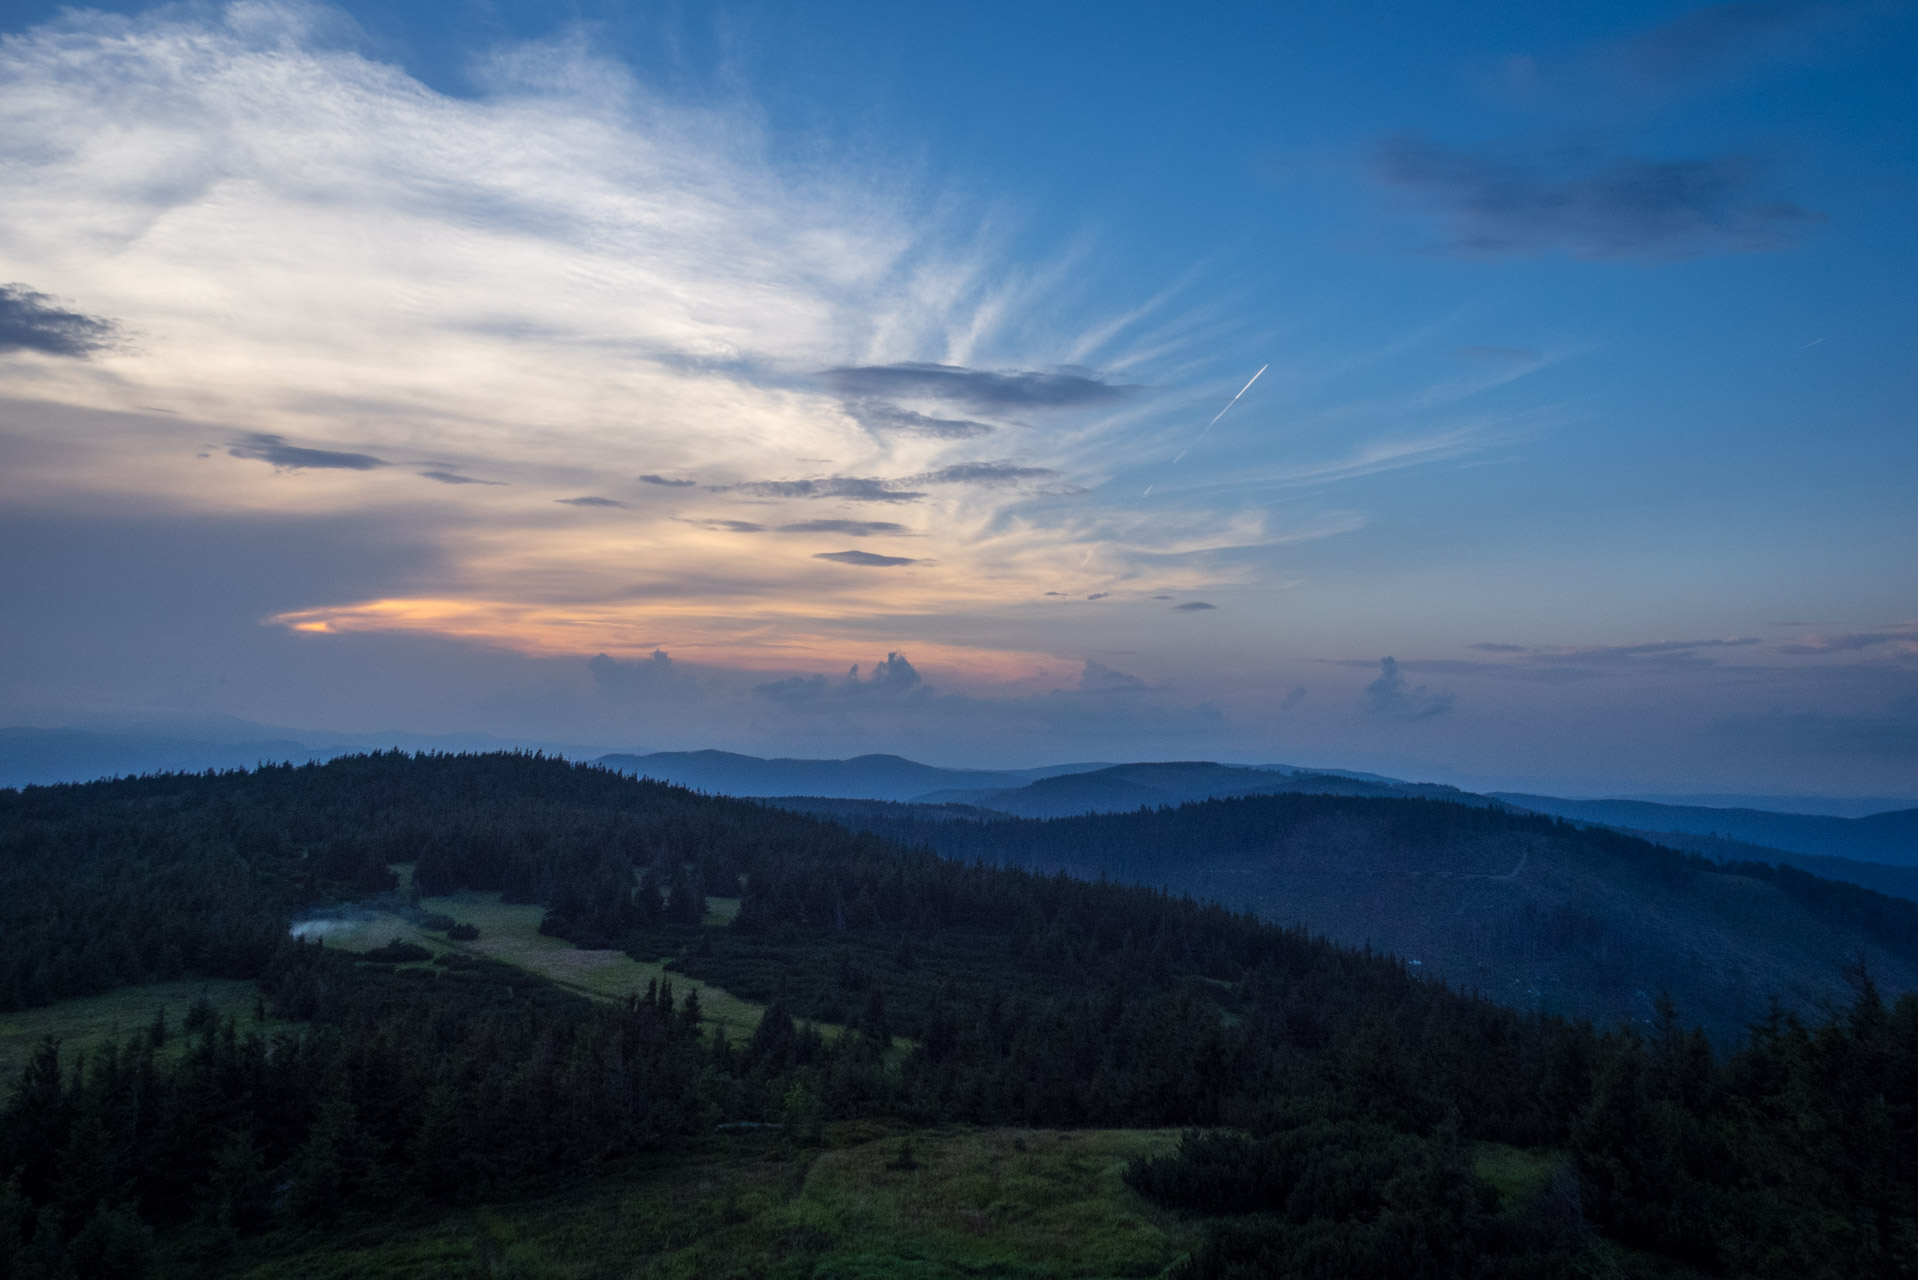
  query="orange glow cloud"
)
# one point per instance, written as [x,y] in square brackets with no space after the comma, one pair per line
[774,640]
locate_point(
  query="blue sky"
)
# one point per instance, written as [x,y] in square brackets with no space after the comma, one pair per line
[383,367]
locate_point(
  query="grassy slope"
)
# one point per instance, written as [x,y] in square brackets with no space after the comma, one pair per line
[994,1202]
[509,933]
[997,1202]
[91,1021]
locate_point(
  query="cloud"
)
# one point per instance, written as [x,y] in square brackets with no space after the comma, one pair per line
[851,528]
[696,276]
[592,502]
[1683,652]
[851,488]
[642,677]
[893,678]
[1099,595]
[1099,678]
[1569,663]
[977,389]
[878,415]
[30,321]
[1193,606]
[1716,40]
[1899,640]
[1587,204]
[263,447]
[986,473]
[1388,697]
[866,558]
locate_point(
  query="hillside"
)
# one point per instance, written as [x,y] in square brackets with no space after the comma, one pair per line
[869,777]
[1123,787]
[1890,838]
[1537,913]
[443,1101]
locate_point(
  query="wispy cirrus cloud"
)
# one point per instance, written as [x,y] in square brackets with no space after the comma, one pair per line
[854,345]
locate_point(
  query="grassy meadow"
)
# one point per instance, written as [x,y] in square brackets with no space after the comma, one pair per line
[999,1202]
[509,933]
[91,1021]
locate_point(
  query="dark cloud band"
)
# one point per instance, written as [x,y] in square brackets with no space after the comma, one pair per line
[1587,204]
[262,447]
[975,388]
[851,528]
[851,488]
[30,321]
[865,559]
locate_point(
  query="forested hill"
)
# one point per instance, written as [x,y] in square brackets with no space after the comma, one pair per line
[1890,838]
[1341,1097]
[1536,912]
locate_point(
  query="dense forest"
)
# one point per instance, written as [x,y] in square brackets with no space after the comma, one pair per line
[1331,1098]
[1539,912]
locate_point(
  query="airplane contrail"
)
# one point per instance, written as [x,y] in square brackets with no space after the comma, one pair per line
[1215,417]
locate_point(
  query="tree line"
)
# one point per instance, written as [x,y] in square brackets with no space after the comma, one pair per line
[1333,1099]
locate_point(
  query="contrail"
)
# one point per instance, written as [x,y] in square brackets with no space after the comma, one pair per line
[1215,417]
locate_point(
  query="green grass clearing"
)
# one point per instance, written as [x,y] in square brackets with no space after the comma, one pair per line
[1000,1202]
[90,1021]
[509,933]
[1518,1174]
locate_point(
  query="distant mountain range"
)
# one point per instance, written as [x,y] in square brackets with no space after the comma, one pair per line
[1879,851]
[1579,920]
[1881,837]
[869,777]
[1122,787]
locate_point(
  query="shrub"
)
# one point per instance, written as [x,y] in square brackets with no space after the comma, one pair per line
[399,951]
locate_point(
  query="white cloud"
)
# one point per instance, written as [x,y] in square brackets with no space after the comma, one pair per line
[555,289]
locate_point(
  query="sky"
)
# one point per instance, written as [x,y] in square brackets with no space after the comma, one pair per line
[814,380]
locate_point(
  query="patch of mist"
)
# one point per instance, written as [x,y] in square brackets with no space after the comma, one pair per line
[333,921]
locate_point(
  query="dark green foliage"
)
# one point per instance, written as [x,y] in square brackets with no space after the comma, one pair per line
[399,951]
[1333,1098]
[1548,912]
[462,932]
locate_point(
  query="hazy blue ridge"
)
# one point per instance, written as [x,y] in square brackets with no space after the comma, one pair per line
[1882,837]
[868,777]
